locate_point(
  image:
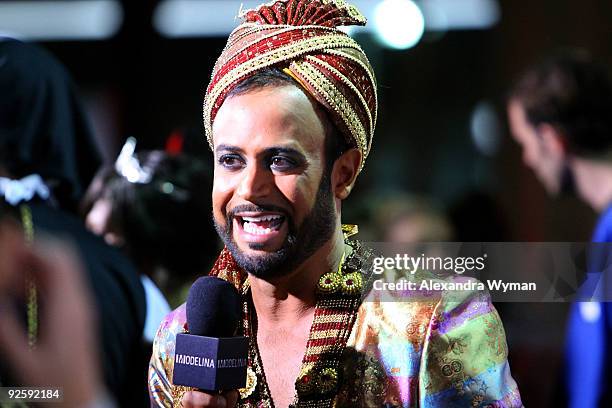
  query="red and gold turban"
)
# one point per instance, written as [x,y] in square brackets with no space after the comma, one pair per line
[301,38]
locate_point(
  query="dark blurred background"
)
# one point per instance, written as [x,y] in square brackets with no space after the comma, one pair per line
[143,66]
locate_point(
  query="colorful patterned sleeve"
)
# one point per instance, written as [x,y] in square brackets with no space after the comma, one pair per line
[465,356]
[160,367]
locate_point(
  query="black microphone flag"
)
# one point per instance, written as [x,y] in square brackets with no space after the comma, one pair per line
[210,358]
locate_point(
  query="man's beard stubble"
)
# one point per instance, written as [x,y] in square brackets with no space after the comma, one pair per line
[300,243]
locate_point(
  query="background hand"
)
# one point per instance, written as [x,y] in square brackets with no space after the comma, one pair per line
[65,355]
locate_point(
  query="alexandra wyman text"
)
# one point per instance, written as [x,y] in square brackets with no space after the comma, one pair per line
[472,285]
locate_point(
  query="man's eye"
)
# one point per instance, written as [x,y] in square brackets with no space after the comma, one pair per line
[230,161]
[281,163]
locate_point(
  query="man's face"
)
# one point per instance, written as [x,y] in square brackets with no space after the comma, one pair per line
[547,163]
[272,201]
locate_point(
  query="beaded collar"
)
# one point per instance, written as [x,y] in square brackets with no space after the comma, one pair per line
[338,300]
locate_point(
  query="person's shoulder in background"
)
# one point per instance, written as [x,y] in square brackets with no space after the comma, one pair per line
[118,298]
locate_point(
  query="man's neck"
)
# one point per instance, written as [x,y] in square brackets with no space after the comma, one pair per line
[288,299]
[594,182]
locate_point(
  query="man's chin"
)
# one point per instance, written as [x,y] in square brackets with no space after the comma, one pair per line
[263,264]
[258,248]
[257,258]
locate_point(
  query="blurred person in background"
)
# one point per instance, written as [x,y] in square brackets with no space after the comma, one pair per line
[67,333]
[560,112]
[97,211]
[155,207]
[407,219]
[47,158]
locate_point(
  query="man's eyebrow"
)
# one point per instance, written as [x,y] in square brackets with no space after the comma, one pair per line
[286,150]
[228,148]
[281,149]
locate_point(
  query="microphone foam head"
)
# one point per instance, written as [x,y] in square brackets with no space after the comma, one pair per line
[213,308]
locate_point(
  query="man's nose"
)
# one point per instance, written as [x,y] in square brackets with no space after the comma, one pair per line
[256,182]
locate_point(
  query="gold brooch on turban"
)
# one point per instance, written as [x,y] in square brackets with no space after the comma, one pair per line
[302,38]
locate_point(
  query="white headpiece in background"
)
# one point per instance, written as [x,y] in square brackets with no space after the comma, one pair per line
[128,166]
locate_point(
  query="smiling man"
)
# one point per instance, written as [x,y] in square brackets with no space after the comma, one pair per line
[290,114]
[272,195]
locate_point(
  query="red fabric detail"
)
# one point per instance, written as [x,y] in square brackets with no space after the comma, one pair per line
[301,12]
[175,143]
[324,342]
[254,17]
[310,10]
[326,326]
[312,358]
[359,78]
[263,46]
[252,50]
[268,15]
[291,10]
[280,12]
[328,14]
[319,12]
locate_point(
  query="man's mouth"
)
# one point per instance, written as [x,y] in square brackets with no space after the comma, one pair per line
[261,224]
[263,228]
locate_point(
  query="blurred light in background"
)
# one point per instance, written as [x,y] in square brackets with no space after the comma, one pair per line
[590,311]
[217,18]
[445,15]
[60,20]
[203,18]
[399,24]
[485,128]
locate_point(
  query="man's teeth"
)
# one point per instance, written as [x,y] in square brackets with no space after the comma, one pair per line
[254,229]
[252,225]
[262,218]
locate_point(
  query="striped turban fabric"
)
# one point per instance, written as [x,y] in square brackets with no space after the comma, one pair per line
[302,38]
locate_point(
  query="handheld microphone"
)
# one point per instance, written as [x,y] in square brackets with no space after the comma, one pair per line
[210,358]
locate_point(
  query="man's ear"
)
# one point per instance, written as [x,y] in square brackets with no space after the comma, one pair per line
[344,173]
[553,139]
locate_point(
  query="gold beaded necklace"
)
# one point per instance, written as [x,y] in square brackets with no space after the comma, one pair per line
[31,291]
[338,300]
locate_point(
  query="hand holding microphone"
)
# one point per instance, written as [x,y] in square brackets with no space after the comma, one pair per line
[210,358]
